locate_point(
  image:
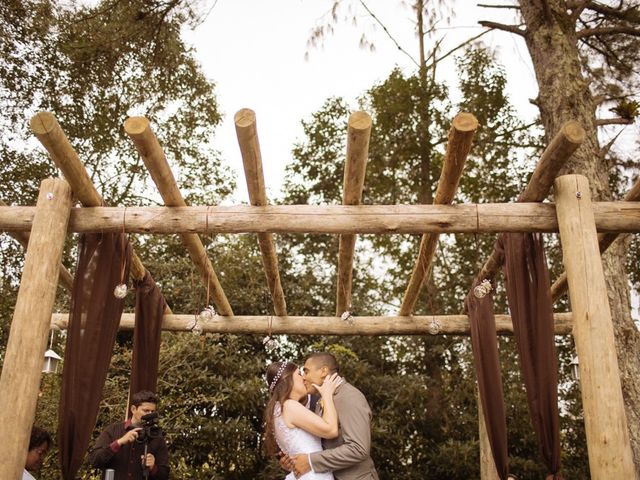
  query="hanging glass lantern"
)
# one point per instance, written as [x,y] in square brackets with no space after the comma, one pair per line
[51,361]
[51,358]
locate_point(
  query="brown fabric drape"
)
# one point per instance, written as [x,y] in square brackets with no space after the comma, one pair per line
[484,341]
[93,323]
[150,306]
[528,291]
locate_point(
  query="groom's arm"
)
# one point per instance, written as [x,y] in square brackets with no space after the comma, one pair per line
[355,421]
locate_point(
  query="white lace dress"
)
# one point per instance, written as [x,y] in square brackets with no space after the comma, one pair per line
[293,441]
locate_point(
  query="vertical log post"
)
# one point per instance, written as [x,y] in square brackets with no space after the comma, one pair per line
[24,357]
[247,134]
[604,416]
[358,133]
[605,240]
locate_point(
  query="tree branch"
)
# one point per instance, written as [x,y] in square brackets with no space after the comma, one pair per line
[590,32]
[466,42]
[500,26]
[605,150]
[600,122]
[364,5]
[631,14]
[484,5]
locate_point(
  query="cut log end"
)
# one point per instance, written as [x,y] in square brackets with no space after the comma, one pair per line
[574,132]
[244,118]
[360,120]
[136,125]
[465,122]
[43,123]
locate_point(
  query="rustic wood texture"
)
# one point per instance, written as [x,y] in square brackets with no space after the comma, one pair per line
[487,465]
[604,415]
[247,133]
[611,217]
[22,237]
[47,129]
[557,153]
[461,134]
[605,240]
[24,356]
[154,158]
[358,133]
[296,325]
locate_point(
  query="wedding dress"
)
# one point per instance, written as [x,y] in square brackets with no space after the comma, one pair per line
[293,441]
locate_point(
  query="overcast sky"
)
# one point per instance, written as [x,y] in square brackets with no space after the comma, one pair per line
[254,50]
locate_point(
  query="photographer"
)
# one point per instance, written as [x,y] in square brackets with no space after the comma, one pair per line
[122,445]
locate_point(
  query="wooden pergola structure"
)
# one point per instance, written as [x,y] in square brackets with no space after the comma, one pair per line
[586,228]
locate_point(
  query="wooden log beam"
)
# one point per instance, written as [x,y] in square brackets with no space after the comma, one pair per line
[463,128]
[358,133]
[247,133]
[65,279]
[605,421]
[565,142]
[605,240]
[47,129]
[296,325]
[24,356]
[155,160]
[611,217]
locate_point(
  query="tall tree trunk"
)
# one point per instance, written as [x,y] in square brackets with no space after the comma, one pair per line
[565,95]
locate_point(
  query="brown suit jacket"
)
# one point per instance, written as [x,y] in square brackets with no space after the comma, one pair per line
[347,456]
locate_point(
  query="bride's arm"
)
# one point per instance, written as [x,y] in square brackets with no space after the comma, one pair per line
[301,417]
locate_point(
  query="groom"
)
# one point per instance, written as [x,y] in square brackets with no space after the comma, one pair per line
[347,456]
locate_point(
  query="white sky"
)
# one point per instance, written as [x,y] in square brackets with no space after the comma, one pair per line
[254,50]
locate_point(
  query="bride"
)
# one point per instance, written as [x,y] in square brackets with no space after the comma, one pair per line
[292,428]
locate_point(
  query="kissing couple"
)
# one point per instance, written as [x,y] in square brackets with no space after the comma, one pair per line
[330,441]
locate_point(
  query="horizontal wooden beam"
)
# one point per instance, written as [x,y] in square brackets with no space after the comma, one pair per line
[393,325]
[611,217]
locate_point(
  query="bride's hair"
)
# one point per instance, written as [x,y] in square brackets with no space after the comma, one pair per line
[280,382]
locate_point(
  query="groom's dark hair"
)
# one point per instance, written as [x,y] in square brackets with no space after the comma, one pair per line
[325,359]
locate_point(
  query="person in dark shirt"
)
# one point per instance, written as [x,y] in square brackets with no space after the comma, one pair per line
[120,448]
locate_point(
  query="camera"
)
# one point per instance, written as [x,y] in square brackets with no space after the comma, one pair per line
[149,426]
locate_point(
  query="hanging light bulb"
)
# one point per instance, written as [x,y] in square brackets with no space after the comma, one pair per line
[51,359]
[481,290]
[207,313]
[270,343]
[120,291]
[347,317]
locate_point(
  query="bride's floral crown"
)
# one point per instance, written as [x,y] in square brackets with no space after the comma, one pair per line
[278,375]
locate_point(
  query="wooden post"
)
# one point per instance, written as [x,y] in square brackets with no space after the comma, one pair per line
[605,240]
[45,126]
[153,156]
[604,416]
[247,133]
[463,128]
[66,279]
[487,465]
[358,133]
[24,357]
[566,141]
